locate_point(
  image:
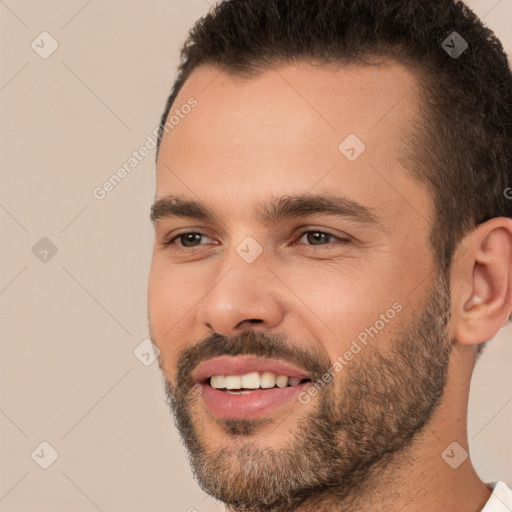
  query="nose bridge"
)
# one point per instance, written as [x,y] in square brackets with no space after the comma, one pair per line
[242,293]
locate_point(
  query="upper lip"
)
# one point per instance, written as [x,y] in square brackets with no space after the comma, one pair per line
[240,365]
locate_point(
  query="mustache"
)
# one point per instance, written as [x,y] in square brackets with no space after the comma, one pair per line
[251,343]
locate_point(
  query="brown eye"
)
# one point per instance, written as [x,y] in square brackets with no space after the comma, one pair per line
[188,239]
[317,237]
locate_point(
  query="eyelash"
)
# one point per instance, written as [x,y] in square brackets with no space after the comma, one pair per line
[319,247]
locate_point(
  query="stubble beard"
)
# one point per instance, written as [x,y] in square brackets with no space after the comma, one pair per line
[383,399]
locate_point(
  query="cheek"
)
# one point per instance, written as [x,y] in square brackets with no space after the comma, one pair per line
[174,298]
[173,290]
[340,302]
[160,303]
[170,302]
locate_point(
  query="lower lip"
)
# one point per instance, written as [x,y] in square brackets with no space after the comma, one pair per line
[249,405]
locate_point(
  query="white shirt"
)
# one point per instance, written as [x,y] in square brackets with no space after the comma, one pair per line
[500,500]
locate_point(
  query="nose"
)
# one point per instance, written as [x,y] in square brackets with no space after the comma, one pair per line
[243,296]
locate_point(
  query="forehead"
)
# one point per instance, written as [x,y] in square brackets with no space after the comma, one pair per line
[291,129]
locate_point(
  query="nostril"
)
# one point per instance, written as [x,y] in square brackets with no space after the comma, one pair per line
[244,324]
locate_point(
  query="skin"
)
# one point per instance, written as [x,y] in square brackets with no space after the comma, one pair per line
[250,141]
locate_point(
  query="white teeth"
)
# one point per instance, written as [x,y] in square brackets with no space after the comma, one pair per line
[282,381]
[218,381]
[252,380]
[267,380]
[233,382]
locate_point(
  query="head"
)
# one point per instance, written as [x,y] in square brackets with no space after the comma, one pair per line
[329,203]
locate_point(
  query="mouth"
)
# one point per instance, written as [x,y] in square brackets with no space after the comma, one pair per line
[247,387]
[249,382]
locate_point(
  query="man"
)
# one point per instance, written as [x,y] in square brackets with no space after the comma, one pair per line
[333,244]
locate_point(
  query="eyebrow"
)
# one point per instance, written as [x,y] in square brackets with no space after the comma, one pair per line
[270,212]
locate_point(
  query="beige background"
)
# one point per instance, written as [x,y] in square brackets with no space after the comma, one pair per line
[70,324]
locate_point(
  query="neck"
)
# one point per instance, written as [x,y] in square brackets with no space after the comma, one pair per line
[416,480]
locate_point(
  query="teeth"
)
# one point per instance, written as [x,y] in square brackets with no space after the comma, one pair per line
[233,382]
[252,380]
[218,381]
[282,381]
[267,380]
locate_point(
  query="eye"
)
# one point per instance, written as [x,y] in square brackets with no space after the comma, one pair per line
[188,239]
[316,238]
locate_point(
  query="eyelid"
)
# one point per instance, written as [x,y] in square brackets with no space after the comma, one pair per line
[308,228]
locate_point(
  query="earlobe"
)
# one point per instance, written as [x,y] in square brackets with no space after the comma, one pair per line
[482,283]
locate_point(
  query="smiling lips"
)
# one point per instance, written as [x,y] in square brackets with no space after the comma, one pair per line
[247,387]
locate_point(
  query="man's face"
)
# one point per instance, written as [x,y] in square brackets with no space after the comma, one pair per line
[316,252]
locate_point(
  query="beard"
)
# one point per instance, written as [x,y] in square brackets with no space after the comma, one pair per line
[381,401]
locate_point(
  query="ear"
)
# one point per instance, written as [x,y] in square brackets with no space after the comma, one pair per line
[481,282]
